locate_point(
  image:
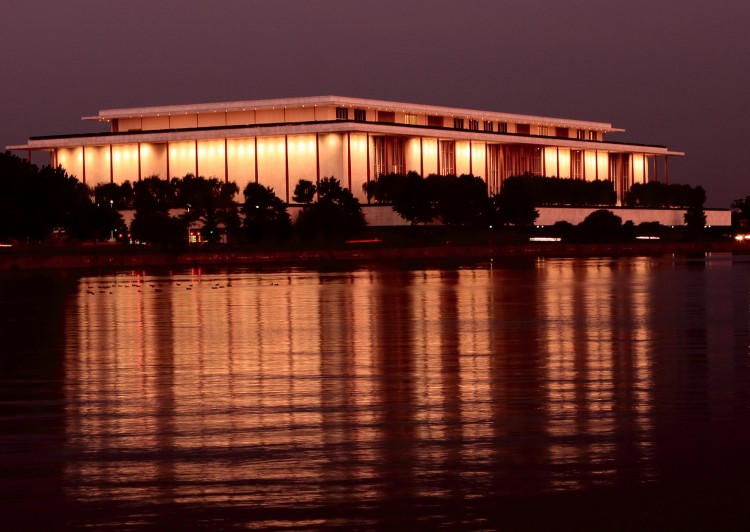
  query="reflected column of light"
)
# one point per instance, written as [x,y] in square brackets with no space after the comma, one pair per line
[429,393]
[81,420]
[559,293]
[364,374]
[96,426]
[217,398]
[291,390]
[475,371]
[600,296]
[643,378]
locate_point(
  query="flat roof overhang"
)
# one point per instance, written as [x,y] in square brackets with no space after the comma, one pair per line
[344,101]
[334,126]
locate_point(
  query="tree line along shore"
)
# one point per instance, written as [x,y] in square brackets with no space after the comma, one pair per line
[44,212]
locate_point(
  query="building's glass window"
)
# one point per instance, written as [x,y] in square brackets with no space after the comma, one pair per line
[360,115]
[581,134]
[458,123]
[397,155]
[474,125]
[562,132]
[447,157]
[389,155]
[544,131]
[593,135]
[488,126]
[502,127]
[576,164]
[387,116]
[494,168]
[435,121]
[381,164]
[342,113]
[523,129]
[410,119]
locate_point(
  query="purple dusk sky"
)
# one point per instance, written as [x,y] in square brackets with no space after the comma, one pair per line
[670,72]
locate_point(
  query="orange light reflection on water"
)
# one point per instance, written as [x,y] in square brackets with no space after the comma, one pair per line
[315,389]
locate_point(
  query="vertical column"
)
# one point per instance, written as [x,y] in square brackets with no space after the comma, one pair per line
[286,165]
[196,158]
[656,170]
[557,150]
[83,162]
[471,158]
[666,169]
[490,189]
[596,163]
[168,172]
[367,150]
[112,166]
[317,158]
[583,162]
[455,169]
[226,155]
[349,157]
[255,146]
[421,157]
[139,160]
[645,176]
[631,169]
[437,144]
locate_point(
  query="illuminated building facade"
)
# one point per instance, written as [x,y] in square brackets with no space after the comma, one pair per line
[278,142]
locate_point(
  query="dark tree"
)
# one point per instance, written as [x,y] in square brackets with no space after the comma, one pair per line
[335,214]
[118,196]
[265,214]
[158,227]
[209,202]
[695,216]
[458,200]
[406,193]
[600,226]
[37,202]
[154,194]
[304,191]
[514,205]
[741,212]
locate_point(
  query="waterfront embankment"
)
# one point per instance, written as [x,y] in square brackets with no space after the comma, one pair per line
[16,259]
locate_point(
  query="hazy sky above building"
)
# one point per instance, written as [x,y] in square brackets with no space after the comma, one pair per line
[670,72]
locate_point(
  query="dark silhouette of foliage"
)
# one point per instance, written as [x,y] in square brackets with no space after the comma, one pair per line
[695,216]
[600,226]
[158,227]
[551,191]
[406,193]
[335,214]
[656,195]
[458,201]
[265,214]
[35,202]
[304,191]
[741,212]
[154,194]
[514,205]
[118,196]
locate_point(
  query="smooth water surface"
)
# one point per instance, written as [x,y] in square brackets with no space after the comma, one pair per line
[584,393]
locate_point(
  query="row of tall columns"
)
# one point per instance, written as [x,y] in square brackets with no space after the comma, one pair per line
[656,174]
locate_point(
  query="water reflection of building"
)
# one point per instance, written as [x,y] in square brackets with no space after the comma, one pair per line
[360,385]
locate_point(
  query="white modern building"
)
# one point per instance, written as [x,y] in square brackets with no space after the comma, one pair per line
[280,141]
[277,142]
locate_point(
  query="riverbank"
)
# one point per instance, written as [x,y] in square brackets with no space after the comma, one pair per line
[118,257]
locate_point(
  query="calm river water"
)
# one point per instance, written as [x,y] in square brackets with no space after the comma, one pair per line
[541,394]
